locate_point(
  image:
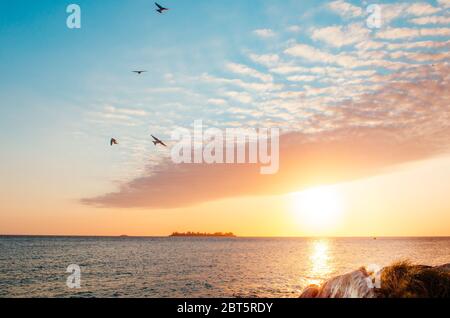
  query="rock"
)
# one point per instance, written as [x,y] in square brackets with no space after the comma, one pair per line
[310,292]
[444,268]
[351,285]
[399,280]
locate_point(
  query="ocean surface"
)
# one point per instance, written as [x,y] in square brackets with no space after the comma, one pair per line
[196,267]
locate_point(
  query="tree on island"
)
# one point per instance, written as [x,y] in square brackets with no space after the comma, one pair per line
[199,234]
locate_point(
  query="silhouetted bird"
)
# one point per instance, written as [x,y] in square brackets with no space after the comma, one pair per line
[139,72]
[156,142]
[160,9]
[113,142]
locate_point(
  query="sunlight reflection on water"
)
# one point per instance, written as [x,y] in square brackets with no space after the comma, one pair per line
[320,262]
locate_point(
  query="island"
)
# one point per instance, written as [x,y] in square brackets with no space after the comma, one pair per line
[198,234]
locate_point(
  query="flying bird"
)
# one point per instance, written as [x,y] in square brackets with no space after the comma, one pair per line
[139,72]
[160,9]
[113,142]
[156,142]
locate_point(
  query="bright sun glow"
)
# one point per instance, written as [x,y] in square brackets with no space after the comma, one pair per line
[318,208]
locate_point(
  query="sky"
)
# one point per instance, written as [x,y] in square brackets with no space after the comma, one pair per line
[363,111]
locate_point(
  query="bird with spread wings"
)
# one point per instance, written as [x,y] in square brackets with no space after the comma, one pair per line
[156,141]
[160,9]
[113,142]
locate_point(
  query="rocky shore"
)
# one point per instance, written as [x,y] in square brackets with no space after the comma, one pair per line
[400,280]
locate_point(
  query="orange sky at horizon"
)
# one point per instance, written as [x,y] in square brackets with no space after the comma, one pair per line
[408,200]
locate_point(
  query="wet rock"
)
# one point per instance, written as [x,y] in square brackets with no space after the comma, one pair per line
[400,280]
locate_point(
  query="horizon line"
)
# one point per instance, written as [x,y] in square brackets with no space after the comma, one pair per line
[236,236]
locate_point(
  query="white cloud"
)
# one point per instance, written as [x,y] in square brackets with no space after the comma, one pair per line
[369,45]
[420,57]
[241,97]
[431,20]
[391,12]
[287,69]
[216,101]
[315,55]
[421,9]
[264,33]
[416,45]
[401,33]
[302,78]
[294,28]
[339,36]
[444,3]
[245,70]
[265,59]
[345,9]
[125,111]
[258,87]
[309,53]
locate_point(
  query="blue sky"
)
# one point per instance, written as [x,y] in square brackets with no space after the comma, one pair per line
[53,76]
[65,92]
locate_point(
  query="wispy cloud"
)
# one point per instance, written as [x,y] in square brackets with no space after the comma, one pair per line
[345,9]
[444,3]
[394,125]
[431,20]
[351,101]
[294,28]
[265,59]
[125,111]
[391,12]
[402,33]
[339,36]
[241,97]
[264,33]
[217,101]
[313,54]
[247,71]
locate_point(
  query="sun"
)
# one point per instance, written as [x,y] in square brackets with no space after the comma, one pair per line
[318,208]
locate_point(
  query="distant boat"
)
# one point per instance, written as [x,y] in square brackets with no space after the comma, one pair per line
[198,234]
